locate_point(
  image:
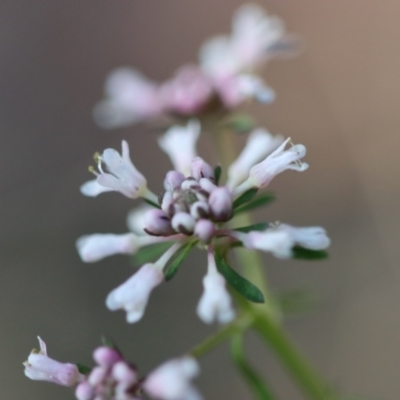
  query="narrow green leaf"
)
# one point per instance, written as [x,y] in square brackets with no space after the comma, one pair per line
[217,173]
[240,284]
[152,203]
[150,253]
[245,197]
[83,369]
[181,254]
[259,201]
[108,342]
[262,226]
[305,254]
[252,378]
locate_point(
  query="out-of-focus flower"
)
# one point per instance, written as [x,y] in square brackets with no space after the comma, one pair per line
[135,220]
[42,368]
[172,380]
[130,98]
[215,303]
[179,142]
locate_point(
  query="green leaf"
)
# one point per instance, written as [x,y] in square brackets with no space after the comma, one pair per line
[83,369]
[150,253]
[240,284]
[217,173]
[152,203]
[305,254]
[252,378]
[180,255]
[245,197]
[109,343]
[241,123]
[262,226]
[259,201]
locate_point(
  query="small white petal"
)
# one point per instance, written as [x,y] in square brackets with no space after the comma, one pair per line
[136,220]
[310,237]
[93,188]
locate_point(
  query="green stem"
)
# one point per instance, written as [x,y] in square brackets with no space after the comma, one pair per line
[240,324]
[297,365]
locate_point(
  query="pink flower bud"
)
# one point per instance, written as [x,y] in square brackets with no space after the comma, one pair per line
[200,169]
[199,209]
[41,367]
[84,391]
[207,185]
[158,223]
[204,230]
[106,356]
[183,222]
[123,373]
[173,180]
[220,202]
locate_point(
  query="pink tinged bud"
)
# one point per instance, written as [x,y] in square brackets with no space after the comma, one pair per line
[220,202]
[158,223]
[207,185]
[179,142]
[133,295]
[124,374]
[173,180]
[312,237]
[276,241]
[188,92]
[259,144]
[183,223]
[190,183]
[135,220]
[92,248]
[130,98]
[171,380]
[41,367]
[106,356]
[122,175]
[204,230]
[215,303]
[200,169]
[199,209]
[84,391]
[93,188]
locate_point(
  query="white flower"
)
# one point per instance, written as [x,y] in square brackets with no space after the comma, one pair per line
[121,175]
[310,237]
[134,294]
[261,174]
[259,144]
[92,248]
[215,303]
[130,98]
[93,188]
[273,240]
[136,220]
[171,380]
[41,367]
[179,142]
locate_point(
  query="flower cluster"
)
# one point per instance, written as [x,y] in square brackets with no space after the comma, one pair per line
[224,77]
[113,378]
[191,211]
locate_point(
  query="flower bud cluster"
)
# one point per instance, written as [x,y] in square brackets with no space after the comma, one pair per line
[190,205]
[112,378]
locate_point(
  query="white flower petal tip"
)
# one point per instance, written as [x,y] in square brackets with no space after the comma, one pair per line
[259,145]
[41,367]
[93,188]
[92,248]
[179,142]
[172,380]
[133,295]
[130,98]
[136,221]
[215,303]
[121,174]
[311,237]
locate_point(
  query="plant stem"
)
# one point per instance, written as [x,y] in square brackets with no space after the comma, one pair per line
[241,323]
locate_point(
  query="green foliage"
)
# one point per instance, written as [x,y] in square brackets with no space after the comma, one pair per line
[259,201]
[240,284]
[245,197]
[108,342]
[152,203]
[252,378]
[240,123]
[176,262]
[305,254]
[262,226]
[217,173]
[83,369]
[150,253]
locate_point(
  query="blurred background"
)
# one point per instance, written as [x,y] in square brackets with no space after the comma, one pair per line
[340,98]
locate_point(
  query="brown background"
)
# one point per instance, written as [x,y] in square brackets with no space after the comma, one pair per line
[340,98]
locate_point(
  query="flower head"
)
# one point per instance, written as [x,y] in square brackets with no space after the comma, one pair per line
[42,368]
